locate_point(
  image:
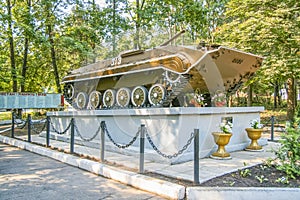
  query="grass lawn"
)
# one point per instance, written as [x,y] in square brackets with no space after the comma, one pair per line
[5,116]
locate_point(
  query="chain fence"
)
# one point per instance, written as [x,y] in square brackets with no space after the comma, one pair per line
[60,132]
[35,129]
[20,125]
[274,121]
[104,128]
[87,139]
[189,141]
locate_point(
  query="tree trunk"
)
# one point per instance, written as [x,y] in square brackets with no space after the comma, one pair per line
[295,93]
[291,99]
[137,26]
[275,94]
[24,66]
[53,58]
[250,95]
[114,28]
[25,55]
[12,49]
[279,96]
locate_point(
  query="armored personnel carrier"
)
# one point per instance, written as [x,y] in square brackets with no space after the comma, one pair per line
[160,77]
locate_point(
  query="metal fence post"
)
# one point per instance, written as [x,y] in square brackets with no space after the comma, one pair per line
[142,149]
[72,136]
[13,124]
[272,128]
[196,156]
[48,132]
[102,142]
[29,127]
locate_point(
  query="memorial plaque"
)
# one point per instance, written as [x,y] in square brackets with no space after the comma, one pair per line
[15,100]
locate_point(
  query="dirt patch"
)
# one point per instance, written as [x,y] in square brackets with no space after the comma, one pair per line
[257,176]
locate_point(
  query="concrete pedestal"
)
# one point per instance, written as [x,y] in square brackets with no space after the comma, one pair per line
[169,128]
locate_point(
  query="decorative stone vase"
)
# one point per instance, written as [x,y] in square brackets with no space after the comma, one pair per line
[221,139]
[254,135]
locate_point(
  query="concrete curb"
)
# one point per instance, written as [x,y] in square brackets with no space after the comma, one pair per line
[233,193]
[160,187]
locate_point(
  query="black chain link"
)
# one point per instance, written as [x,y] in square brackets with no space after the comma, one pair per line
[175,154]
[22,121]
[85,139]
[39,122]
[63,132]
[104,128]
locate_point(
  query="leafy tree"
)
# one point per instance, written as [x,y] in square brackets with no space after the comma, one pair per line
[270,28]
[5,72]
[9,32]
[116,25]
[199,17]
[80,34]
[24,22]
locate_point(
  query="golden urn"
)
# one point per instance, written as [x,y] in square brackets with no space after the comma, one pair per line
[254,135]
[221,139]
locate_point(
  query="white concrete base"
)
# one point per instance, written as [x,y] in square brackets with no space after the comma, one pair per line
[169,128]
[247,193]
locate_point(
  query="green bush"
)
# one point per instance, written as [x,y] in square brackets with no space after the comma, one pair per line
[288,154]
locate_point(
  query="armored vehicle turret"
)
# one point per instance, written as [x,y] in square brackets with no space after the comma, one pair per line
[160,77]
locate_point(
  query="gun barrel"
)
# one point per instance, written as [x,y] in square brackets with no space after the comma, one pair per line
[173,38]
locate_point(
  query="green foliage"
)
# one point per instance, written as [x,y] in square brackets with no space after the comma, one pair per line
[288,154]
[270,28]
[229,183]
[5,116]
[80,32]
[84,32]
[244,173]
[283,180]
[261,178]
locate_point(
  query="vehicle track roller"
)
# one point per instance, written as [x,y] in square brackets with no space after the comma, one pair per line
[95,99]
[81,100]
[139,96]
[69,91]
[109,98]
[123,97]
[157,94]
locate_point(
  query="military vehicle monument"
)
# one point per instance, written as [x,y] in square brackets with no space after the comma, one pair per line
[172,90]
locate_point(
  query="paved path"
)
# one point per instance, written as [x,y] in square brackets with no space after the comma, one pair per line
[25,175]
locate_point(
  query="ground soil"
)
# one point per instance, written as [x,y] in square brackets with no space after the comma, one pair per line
[257,176]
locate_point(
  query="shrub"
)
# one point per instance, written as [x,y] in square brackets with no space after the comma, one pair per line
[288,154]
